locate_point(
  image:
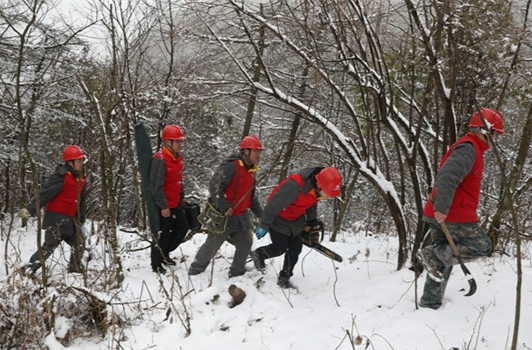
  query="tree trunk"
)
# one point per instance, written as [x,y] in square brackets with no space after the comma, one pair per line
[256,78]
[508,196]
[348,194]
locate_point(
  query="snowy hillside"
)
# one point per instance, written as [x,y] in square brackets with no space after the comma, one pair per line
[334,302]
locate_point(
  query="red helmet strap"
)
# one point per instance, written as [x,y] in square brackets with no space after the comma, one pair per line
[247,156]
[169,144]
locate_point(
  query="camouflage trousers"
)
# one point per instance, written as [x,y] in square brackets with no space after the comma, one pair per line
[472,243]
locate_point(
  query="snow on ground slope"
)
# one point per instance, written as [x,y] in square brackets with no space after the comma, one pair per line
[364,295]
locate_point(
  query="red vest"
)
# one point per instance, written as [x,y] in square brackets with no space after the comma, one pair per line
[66,202]
[465,201]
[173,182]
[298,207]
[246,180]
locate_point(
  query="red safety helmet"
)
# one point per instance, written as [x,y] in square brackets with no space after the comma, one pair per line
[173,132]
[251,142]
[492,118]
[330,181]
[72,153]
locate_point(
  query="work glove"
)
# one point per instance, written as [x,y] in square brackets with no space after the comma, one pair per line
[85,231]
[24,213]
[260,232]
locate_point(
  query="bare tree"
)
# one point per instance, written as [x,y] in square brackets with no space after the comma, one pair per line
[390,111]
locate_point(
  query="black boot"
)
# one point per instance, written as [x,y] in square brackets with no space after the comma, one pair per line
[284,282]
[169,262]
[159,270]
[258,261]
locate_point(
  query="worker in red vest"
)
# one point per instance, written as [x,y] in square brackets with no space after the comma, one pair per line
[289,207]
[454,200]
[232,192]
[166,186]
[64,198]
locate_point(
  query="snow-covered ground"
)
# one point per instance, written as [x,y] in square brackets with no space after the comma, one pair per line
[334,302]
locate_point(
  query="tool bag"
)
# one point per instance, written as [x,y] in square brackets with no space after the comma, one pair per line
[212,220]
[192,211]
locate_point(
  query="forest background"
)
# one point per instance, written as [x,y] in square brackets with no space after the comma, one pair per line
[379,89]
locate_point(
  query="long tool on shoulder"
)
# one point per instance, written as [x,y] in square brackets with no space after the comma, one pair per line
[467,273]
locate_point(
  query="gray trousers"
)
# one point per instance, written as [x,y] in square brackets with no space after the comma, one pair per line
[239,230]
[66,231]
[472,243]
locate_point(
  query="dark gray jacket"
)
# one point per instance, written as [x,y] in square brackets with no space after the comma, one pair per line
[450,175]
[157,179]
[221,178]
[286,195]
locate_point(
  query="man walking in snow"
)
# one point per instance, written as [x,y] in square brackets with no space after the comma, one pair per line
[64,198]
[454,201]
[166,186]
[232,192]
[291,204]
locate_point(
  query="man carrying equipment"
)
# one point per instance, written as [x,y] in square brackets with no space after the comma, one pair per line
[166,186]
[232,192]
[453,203]
[290,205]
